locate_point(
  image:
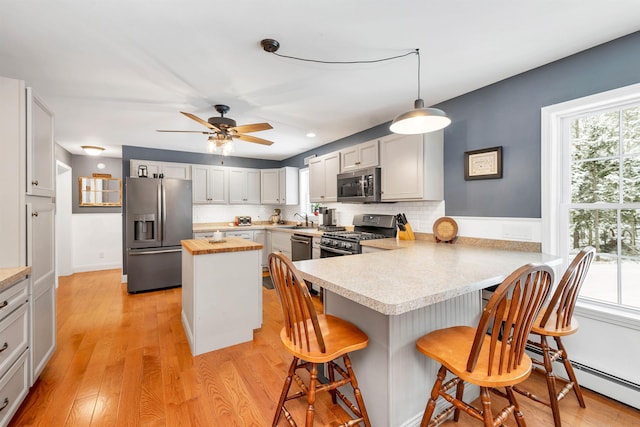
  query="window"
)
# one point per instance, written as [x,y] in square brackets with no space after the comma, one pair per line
[591,192]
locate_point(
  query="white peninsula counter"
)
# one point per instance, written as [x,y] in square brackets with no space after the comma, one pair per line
[396,296]
[221,292]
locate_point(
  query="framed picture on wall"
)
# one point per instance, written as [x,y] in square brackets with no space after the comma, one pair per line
[483,164]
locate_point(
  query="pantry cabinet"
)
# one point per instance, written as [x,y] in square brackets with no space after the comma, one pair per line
[360,156]
[412,167]
[209,184]
[323,172]
[244,186]
[27,171]
[40,147]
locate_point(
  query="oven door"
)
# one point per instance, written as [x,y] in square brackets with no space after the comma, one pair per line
[326,252]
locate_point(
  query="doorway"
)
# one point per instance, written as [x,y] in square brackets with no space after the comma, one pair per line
[63,259]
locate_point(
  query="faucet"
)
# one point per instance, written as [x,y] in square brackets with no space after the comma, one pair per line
[306,218]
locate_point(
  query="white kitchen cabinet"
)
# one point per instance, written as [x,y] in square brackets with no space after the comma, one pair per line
[412,167]
[360,156]
[40,147]
[27,230]
[244,234]
[260,236]
[315,248]
[175,170]
[41,258]
[323,172]
[281,242]
[244,186]
[14,333]
[209,184]
[167,169]
[279,186]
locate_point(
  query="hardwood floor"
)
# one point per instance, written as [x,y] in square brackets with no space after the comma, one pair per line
[123,360]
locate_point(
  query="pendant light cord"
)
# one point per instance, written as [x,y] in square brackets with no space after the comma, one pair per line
[417,52]
[370,61]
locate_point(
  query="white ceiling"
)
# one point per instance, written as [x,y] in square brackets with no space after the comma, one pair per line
[114,71]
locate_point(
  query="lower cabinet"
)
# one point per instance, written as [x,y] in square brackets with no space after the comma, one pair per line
[281,242]
[260,236]
[15,352]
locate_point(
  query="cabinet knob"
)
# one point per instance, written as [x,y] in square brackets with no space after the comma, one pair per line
[34,182]
[4,347]
[5,403]
[34,213]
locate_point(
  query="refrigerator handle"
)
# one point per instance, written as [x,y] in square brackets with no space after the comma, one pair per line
[164,211]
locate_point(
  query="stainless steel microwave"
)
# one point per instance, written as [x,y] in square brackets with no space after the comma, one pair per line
[361,186]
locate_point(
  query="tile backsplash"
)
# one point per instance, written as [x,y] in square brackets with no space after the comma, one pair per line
[421,215]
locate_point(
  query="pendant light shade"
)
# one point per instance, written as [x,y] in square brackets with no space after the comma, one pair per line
[420,119]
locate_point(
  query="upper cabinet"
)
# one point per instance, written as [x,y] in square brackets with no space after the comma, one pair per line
[153,169]
[279,186]
[412,167]
[244,186]
[209,184]
[323,172]
[365,155]
[40,147]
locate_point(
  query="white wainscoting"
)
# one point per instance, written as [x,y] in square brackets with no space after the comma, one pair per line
[96,241]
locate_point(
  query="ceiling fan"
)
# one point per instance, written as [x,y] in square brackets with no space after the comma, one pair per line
[222,130]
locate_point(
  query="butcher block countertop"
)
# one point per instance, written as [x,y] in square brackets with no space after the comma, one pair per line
[9,276]
[229,244]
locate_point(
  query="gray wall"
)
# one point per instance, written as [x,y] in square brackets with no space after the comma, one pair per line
[508,114]
[129,152]
[86,166]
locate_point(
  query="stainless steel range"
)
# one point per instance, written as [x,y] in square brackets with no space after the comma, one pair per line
[366,227]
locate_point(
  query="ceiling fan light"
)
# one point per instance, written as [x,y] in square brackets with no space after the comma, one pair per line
[420,120]
[92,150]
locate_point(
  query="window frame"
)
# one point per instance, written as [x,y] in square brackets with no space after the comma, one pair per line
[553,184]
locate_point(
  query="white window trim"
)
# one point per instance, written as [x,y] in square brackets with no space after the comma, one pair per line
[551,184]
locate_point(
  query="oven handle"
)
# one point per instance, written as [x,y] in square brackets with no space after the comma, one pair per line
[337,251]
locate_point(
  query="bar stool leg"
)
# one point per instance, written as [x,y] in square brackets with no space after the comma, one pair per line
[285,391]
[551,381]
[572,376]
[516,408]
[311,394]
[431,404]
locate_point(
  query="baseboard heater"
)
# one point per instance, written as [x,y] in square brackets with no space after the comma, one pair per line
[595,372]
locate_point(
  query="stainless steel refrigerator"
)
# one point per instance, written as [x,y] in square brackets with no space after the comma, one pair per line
[158,216]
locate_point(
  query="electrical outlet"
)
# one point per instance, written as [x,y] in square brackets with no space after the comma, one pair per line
[101,255]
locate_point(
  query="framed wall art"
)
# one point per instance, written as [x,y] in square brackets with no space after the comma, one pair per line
[483,164]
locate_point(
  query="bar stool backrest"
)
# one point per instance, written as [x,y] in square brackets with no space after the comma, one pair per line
[300,317]
[563,301]
[510,315]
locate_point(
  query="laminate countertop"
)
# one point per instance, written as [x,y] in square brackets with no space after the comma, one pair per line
[10,275]
[416,274]
[228,244]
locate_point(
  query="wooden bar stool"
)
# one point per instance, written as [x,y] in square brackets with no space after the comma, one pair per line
[556,320]
[492,354]
[314,339]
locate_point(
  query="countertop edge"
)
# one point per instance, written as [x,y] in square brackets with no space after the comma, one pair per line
[10,275]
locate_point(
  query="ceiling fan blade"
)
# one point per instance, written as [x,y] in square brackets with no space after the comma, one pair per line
[256,127]
[250,138]
[188,131]
[199,120]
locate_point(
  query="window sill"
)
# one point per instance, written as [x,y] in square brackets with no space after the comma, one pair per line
[616,316]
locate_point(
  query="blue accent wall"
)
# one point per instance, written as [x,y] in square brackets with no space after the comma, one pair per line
[508,113]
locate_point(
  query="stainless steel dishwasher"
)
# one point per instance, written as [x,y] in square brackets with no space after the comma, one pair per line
[301,247]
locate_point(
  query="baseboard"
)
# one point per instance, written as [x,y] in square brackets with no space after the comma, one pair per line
[96,267]
[600,382]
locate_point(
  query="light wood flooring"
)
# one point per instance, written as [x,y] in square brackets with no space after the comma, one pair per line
[123,360]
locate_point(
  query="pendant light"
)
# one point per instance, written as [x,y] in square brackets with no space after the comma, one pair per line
[420,119]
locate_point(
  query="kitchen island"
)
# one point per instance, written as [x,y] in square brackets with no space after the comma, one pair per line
[221,292]
[396,296]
